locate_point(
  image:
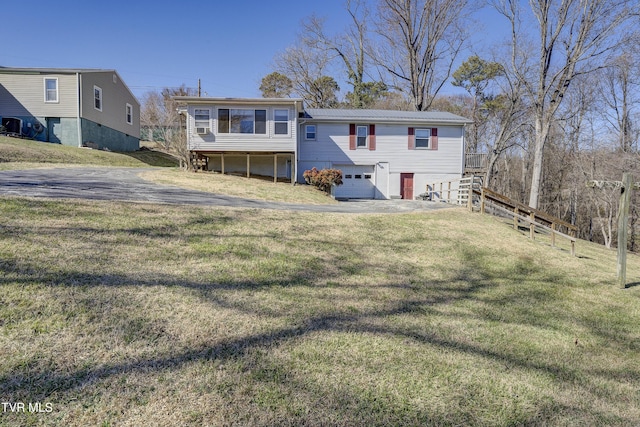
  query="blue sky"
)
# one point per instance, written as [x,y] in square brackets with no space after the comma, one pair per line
[229,45]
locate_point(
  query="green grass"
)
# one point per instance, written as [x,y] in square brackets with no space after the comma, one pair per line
[23,153]
[238,186]
[137,314]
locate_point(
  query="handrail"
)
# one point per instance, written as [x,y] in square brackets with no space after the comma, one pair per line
[476,161]
[458,187]
[533,224]
[517,207]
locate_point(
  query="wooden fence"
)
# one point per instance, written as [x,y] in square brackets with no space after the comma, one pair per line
[533,218]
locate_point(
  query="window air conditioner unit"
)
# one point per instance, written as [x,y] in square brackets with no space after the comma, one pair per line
[202,131]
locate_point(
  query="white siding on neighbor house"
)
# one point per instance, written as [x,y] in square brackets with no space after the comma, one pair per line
[392,154]
[23,94]
[228,142]
[115,97]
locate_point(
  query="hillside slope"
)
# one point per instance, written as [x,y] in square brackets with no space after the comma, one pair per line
[137,314]
[15,150]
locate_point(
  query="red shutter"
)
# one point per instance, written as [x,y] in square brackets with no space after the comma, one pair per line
[372,137]
[434,138]
[352,136]
[412,139]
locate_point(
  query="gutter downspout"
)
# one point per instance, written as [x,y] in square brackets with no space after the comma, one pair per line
[79,78]
[464,151]
[294,166]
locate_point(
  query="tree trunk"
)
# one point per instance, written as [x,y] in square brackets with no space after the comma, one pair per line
[493,158]
[536,172]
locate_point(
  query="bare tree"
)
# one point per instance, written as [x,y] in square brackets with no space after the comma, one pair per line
[573,38]
[163,124]
[498,108]
[619,89]
[507,115]
[421,40]
[350,47]
[306,67]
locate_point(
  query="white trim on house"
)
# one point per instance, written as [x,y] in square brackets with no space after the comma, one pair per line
[47,91]
[308,132]
[129,113]
[422,142]
[362,137]
[279,122]
[97,98]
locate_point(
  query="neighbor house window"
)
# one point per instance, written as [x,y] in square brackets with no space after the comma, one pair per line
[422,138]
[361,136]
[202,117]
[97,98]
[129,114]
[242,121]
[310,132]
[50,90]
[281,120]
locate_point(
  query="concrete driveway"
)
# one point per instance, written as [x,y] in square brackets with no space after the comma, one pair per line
[124,184]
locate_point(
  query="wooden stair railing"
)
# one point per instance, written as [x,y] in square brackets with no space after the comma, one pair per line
[534,217]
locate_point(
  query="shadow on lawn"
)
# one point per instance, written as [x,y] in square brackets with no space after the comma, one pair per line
[33,382]
[152,157]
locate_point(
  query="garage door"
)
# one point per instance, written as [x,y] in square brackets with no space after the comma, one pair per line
[358,182]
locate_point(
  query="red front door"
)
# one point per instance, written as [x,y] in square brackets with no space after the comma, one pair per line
[406,186]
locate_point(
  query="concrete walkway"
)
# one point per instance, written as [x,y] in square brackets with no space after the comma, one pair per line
[124,184]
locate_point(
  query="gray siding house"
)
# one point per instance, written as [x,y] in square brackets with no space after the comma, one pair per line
[75,107]
[382,154]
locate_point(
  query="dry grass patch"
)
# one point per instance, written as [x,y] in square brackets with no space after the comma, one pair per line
[134,314]
[248,188]
[18,153]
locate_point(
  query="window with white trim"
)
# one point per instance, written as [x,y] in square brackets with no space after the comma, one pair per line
[97,98]
[202,118]
[423,137]
[238,120]
[50,90]
[129,113]
[361,136]
[310,132]
[281,122]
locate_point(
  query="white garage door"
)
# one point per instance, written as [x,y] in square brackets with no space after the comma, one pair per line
[358,182]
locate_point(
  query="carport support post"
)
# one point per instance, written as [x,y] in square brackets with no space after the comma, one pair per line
[275,168]
[222,163]
[248,165]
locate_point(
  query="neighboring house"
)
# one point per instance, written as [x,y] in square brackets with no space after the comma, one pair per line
[76,107]
[382,154]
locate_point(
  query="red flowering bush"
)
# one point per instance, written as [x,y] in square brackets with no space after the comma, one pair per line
[323,179]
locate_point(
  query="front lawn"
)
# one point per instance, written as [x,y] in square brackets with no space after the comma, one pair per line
[141,314]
